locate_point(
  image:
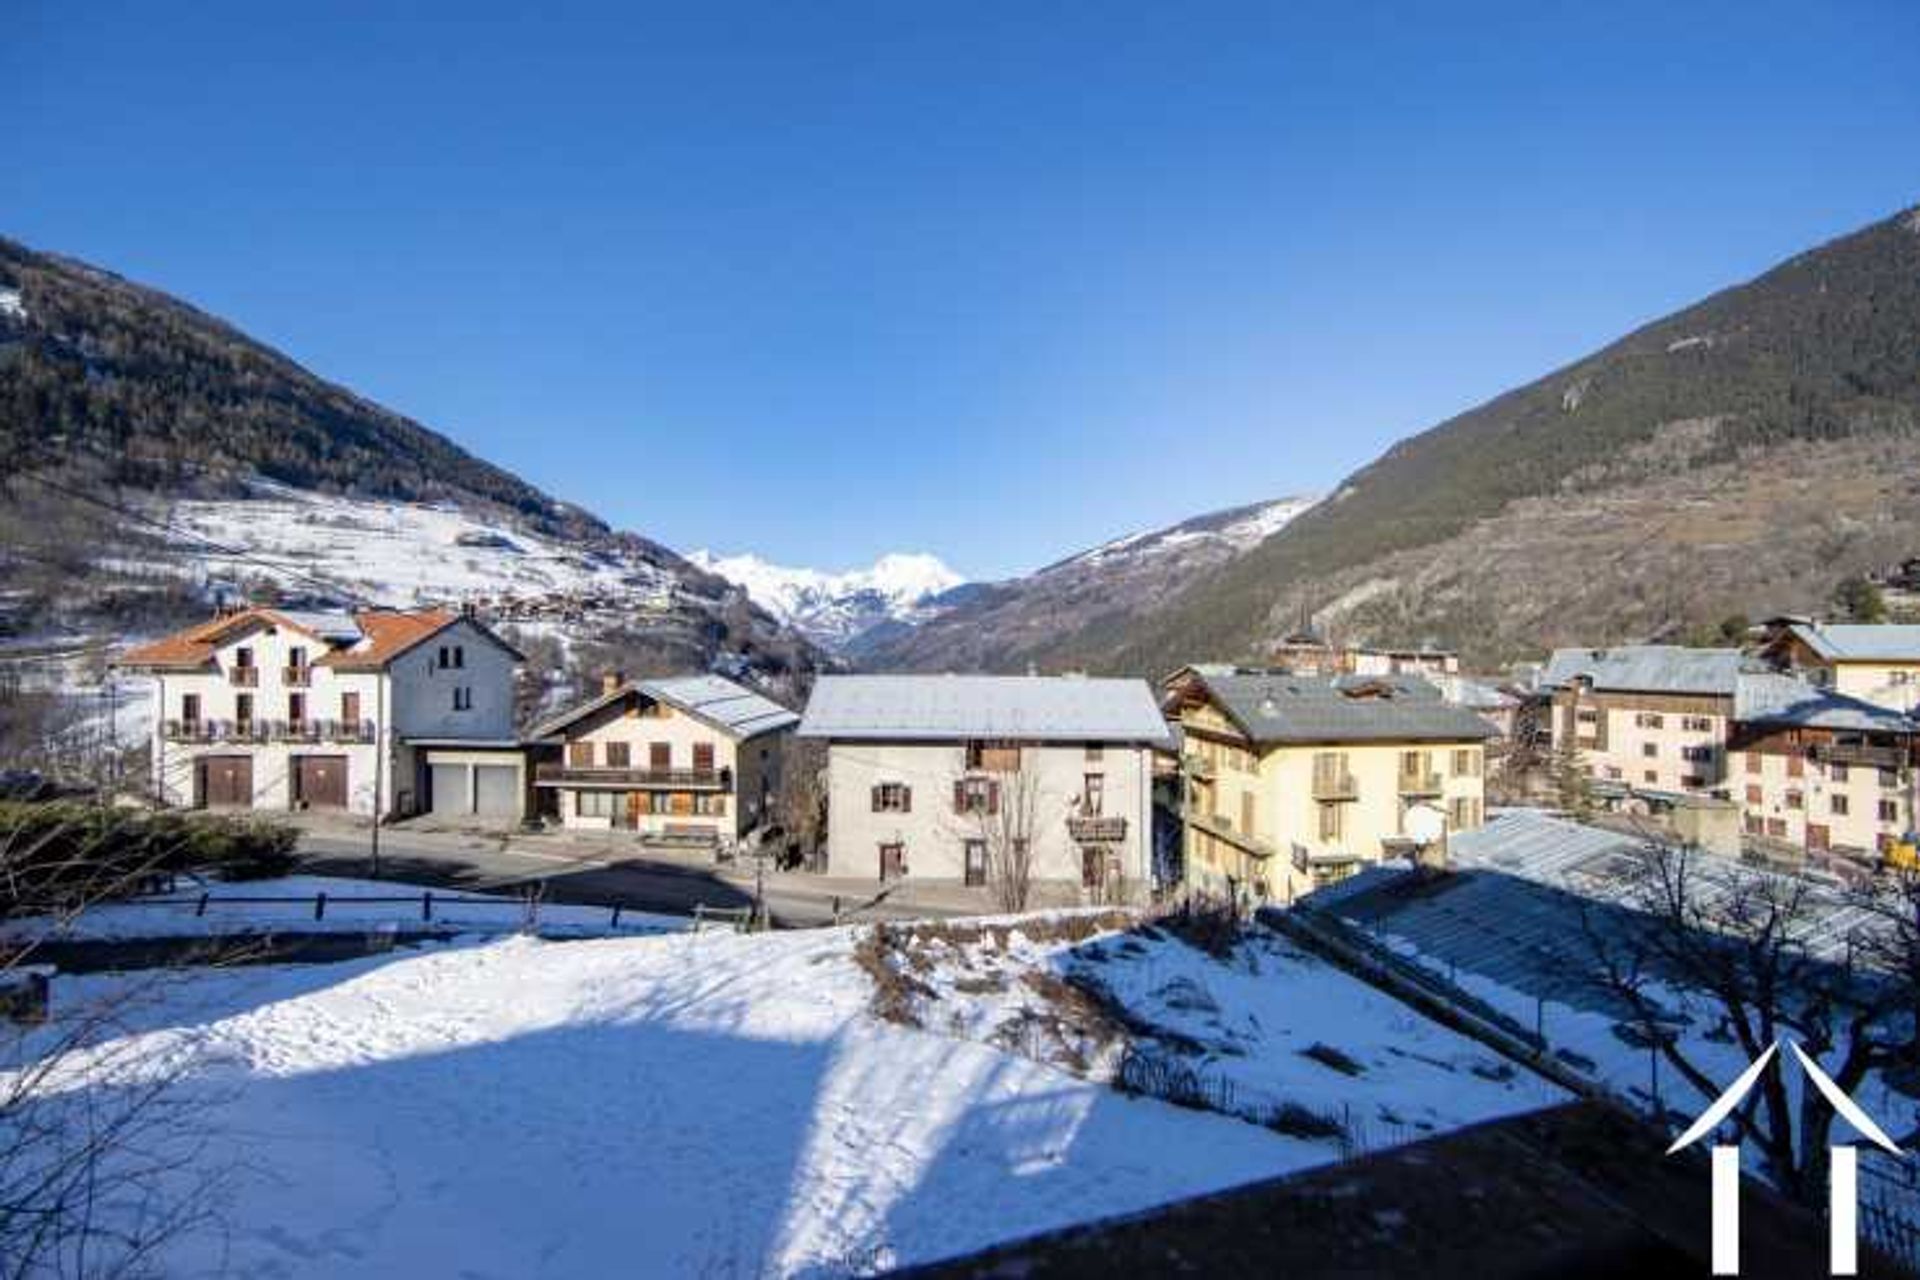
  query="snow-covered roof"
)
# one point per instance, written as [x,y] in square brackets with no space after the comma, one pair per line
[1648,668]
[1772,698]
[1862,642]
[1062,708]
[1282,707]
[733,708]
[334,626]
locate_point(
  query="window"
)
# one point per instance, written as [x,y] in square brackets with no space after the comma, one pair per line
[893,861]
[297,657]
[993,757]
[462,698]
[296,708]
[243,708]
[1889,811]
[243,657]
[1753,761]
[1093,868]
[459,656]
[580,755]
[1837,772]
[659,755]
[1331,822]
[976,862]
[1614,773]
[976,795]
[1247,805]
[1698,755]
[1462,762]
[1585,716]
[350,707]
[446,657]
[1889,777]
[1650,777]
[1796,767]
[1460,812]
[710,804]
[893,797]
[1795,800]
[703,757]
[1650,720]
[190,708]
[1755,795]
[619,755]
[597,804]
[1839,806]
[1696,724]
[1754,825]
[1777,828]
[1095,752]
[1093,794]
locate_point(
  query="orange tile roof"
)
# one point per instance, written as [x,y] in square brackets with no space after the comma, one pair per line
[195,646]
[390,633]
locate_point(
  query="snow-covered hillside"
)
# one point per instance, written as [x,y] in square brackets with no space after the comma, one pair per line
[1232,531]
[835,608]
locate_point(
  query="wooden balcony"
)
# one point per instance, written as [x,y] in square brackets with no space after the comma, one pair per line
[1096,828]
[243,677]
[1420,784]
[250,731]
[1335,786]
[296,677]
[1857,755]
[566,775]
[1223,829]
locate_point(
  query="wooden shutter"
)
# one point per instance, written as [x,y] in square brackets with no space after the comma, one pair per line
[993,797]
[906,799]
[873,797]
[703,756]
[959,795]
[660,755]
[580,755]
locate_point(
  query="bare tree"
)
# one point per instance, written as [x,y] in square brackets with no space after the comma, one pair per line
[800,802]
[1003,813]
[1752,954]
[103,1159]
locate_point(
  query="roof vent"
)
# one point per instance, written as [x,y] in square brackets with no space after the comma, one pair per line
[1268,707]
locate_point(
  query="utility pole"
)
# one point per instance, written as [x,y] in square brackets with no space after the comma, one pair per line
[379,763]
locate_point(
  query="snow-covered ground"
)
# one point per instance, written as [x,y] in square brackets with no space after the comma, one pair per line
[1247,529]
[833,608]
[694,1104]
[403,554]
[233,909]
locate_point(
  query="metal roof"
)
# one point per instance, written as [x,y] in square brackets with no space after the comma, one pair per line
[719,701]
[1862,642]
[335,626]
[1648,668]
[1278,707]
[1049,708]
[1771,698]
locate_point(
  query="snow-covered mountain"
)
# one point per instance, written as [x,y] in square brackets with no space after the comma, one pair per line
[1231,531]
[835,609]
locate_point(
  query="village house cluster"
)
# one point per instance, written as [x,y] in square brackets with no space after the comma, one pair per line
[1253,782]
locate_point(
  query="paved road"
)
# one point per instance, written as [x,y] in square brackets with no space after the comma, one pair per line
[598,875]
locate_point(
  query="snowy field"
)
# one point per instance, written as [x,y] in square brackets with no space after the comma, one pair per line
[714,1104]
[229,913]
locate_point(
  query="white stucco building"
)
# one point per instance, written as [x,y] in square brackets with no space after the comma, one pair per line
[382,711]
[924,771]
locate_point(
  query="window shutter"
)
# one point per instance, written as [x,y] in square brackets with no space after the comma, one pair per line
[959,796]
[873,797]
[993,797]
[906,799]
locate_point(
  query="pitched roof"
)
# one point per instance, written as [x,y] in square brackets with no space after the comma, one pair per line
[1772,698]
[945,707]
[733,708]
[1648,668]
[386,634]
[365,641]
[1273,707]
[1861,642]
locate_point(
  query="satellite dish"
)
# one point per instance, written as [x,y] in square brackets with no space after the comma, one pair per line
[1426,824]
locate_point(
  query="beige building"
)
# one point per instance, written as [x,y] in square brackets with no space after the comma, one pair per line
[1645,720]
[692,759]
[1295,781]
[388,712]
[1821,771]
[949,780]
[1877,664]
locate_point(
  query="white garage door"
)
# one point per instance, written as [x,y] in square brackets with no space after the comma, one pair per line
[496,791]
[450,790]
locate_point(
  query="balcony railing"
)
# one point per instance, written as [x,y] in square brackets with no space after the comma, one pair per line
[245,677]
[343,731]
[567,775]
[1222,828]
[299,677]
[1856,754]
[1094,828]
[1335,786]
[1420,784]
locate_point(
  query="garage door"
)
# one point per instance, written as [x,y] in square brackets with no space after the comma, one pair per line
[496,791]
[320,782]
[227,782]
[450,790]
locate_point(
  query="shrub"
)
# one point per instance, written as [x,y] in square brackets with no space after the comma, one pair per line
[61,854]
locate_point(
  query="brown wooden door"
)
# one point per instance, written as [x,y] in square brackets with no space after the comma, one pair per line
[320,782]
[1818,837]
[227,782]
[636,805]
[892,861]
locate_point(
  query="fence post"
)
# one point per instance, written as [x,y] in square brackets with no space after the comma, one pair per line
[201,910]
[426,904]
[616,916]
[319,906]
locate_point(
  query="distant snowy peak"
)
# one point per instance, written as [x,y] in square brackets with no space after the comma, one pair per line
[835,608]
[1233,530]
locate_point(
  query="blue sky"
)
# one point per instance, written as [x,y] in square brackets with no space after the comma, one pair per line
[995,280]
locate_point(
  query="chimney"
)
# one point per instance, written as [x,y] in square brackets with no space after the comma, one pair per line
[610,681]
